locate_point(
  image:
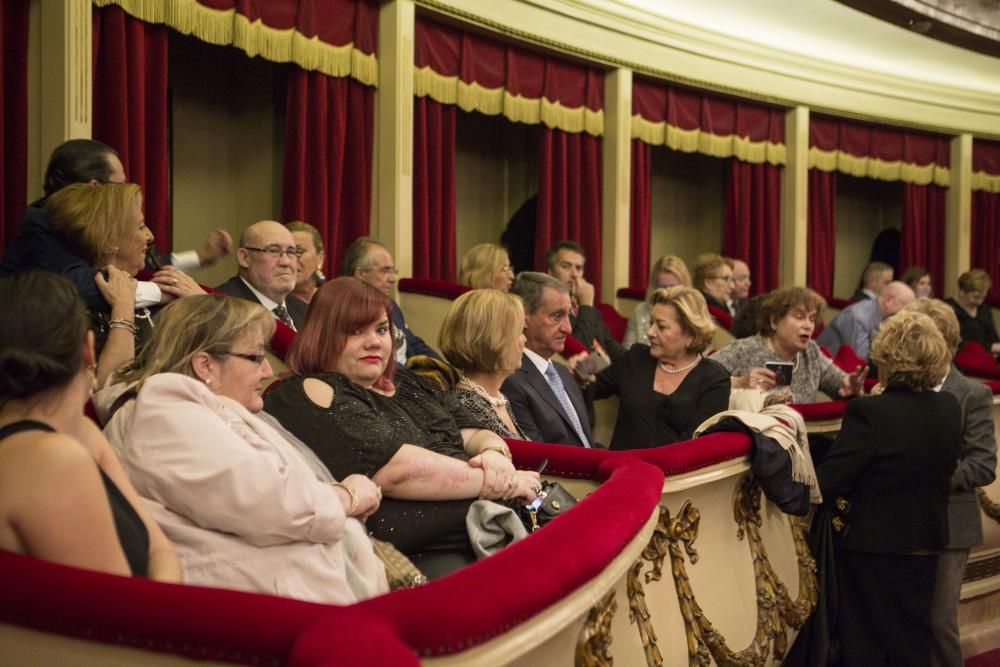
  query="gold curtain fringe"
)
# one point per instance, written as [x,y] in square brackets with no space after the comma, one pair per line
[984,181]
[227,27]
[515,108]
[716,145]
[866,167]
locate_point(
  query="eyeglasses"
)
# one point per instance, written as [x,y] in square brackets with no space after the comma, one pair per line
[256,358]
[386,271]
[275,252]
[728,279]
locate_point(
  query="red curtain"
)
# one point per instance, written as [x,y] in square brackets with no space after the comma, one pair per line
[130,107]
[569,197]
[329,130]
[922,235]
[434,253]
[13,117]
[569,191]
[986,216]
[888,144]
[641,215]
[753,221]
[821,231]
[986,238]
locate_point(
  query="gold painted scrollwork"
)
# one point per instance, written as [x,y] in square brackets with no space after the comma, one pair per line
[776,611]
[990,508]
[639,614]
[593,648]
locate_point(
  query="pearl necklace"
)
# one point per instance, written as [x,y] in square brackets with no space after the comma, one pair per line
[495,401]
[675,371]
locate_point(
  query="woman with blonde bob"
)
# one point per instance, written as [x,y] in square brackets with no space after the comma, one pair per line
[483,337]
[667,389]
[486,266]
[309,245]
[103,224]
[889,475]
[247,505]
[668,271]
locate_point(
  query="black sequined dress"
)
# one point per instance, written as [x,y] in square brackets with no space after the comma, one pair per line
[362,430]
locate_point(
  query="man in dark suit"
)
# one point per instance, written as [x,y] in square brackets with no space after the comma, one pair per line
[546,400]
[368,260]
[565,261]
[39,247]
[977,461]
[268,261]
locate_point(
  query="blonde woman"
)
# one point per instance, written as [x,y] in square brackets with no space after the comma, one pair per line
[891,465]
[483,337]
[104,225]
[714,277]
[668,271]
[667,389]
[486,266]
[309,246]
[247,505]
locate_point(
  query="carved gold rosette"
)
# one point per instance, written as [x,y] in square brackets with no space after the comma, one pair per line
[593,649]
[776,611]
[990,508]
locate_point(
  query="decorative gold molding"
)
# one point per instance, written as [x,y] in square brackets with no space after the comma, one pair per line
[639,614]
[776,611]
[990,508]
[593,648]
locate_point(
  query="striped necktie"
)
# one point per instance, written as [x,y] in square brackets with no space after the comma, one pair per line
[556,383]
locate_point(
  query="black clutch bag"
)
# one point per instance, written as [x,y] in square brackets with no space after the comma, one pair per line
[550,503]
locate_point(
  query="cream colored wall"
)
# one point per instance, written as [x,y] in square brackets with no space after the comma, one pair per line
[496,169]
[864,207]
[227,144]
[688,204]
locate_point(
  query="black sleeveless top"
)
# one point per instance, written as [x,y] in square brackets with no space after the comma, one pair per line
[132,533]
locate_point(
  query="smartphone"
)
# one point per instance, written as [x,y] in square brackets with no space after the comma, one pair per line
[782,371]
[592,365]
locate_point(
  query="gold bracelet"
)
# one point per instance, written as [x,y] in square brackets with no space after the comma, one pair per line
[503,451]
[354,496]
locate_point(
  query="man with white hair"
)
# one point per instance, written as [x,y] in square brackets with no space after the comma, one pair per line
[857,324]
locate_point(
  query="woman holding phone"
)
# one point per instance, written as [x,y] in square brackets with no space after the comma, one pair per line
[787,320]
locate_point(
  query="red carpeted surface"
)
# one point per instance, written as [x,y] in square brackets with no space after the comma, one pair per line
[991,659]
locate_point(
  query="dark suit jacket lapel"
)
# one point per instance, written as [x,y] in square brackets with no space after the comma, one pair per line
[538,382]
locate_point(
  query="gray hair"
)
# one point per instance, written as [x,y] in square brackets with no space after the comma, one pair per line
[530,285]
[356,255]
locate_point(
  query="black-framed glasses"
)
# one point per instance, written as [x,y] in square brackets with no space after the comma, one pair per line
[256,358]
[275,252]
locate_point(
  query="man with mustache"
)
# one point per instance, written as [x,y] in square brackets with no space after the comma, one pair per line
[268,260]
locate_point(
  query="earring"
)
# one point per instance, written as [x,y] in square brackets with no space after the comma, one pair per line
[320,278]
[208,382]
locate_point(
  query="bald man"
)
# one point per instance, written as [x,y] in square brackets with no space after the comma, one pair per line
[268,262]
[857,324]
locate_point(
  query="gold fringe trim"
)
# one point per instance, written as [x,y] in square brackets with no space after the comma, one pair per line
[698,141]
[984,181]
[228,28]
[866,167]
[496,101]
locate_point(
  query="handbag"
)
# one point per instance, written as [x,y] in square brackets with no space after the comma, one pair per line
[399,570]
[550,503]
